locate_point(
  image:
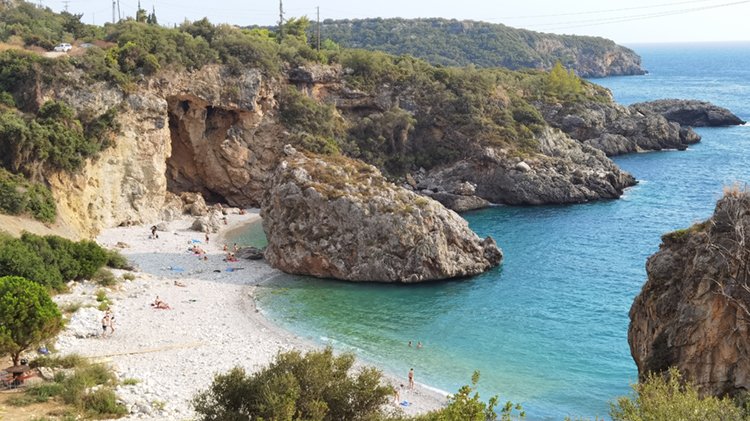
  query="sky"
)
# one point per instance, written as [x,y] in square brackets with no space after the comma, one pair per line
[624,21]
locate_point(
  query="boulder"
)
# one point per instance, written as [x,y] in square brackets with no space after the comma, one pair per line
[250,253]
[339,218]
[195,204]
[694,310]
[690,112]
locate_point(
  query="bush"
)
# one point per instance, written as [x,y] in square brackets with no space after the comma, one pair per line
[51,260]
[315,127]
[19,196]
[116,260]
[28,316]
[66,361]
[103,402]
[671,398]
[104,277]
[316,385]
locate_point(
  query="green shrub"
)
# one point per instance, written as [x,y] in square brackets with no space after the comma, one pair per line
[66,361]
[672,398]
[316,385]
[104,277]
[19,196]
[28,316]
[130,381]
[103,402]
[116,260]
[128,276]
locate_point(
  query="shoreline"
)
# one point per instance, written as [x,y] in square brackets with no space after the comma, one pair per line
[213,326]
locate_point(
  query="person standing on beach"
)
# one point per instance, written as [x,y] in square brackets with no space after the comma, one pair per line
[111,316]
[106,323]
[411,379]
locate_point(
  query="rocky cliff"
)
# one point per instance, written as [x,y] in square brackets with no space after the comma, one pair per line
[564,172]
[694,310]
[339,218]
[616,129]
[690,112]
[206,131]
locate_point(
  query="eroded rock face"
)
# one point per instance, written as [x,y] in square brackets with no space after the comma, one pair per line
[339,218]
[693,311]
[564,172]
[690,112]
[615,129]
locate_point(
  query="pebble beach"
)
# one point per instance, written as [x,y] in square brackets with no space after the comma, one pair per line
[213,324]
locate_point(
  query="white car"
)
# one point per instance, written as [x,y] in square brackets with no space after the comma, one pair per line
[63,47]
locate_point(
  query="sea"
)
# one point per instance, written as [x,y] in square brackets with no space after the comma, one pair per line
[548,328]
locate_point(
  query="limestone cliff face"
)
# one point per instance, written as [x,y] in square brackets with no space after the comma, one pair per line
[694,310]
[208,131]
[339,218]
[605,59]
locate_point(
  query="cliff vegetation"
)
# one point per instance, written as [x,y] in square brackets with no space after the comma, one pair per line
[451,42]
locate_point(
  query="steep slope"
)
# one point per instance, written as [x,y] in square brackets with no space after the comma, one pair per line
[694,310]
[460,43]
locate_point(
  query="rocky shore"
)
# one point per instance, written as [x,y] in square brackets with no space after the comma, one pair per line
[213,325]
[690,112]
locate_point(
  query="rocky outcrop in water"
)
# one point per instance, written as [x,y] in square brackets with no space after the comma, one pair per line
[339,218]
[616,129]
[565,172]
[694,310]
[690,112]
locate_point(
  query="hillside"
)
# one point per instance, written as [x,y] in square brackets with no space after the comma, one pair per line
[138,119]
[450,42]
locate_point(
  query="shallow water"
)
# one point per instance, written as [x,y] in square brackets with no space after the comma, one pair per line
[548,328]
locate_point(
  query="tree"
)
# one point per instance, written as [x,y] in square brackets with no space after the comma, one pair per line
[466,405]
[27,316]
[671,398]
[314,386]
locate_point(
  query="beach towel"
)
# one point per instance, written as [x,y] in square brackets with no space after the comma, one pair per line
[176,269]
[195,241]
[405,403]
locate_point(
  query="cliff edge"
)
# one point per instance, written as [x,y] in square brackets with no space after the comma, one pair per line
[694,310]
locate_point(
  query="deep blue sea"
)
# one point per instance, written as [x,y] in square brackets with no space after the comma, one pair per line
[548,328]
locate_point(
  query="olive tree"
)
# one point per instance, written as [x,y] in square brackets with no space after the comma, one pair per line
[27,316]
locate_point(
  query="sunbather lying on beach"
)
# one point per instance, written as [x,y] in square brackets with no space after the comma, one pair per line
[158,303]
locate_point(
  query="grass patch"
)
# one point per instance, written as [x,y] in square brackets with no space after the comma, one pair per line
[66,361]
[130,381]
[70,308]
[129,276]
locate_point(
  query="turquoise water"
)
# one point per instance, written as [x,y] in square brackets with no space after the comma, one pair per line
[548,329]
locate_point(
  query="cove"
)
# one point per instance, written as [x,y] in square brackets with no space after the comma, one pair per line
[548,328]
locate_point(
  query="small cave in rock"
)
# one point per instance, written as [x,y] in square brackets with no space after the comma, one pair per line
[197,131]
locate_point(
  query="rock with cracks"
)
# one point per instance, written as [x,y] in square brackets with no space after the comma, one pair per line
[694,310]
[334,217]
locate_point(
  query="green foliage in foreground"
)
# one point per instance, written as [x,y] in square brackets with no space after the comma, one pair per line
[659,399]
[314,386]
[318,386]
[51,260]
[76,390]
[27,316]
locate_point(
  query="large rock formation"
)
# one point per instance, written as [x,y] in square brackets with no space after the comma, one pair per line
[564,172]
[616,129]
[690,112]
[694,310]
[339,218]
